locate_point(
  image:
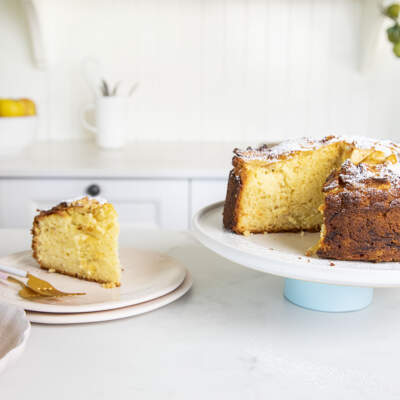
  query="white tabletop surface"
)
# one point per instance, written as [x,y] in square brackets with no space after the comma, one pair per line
[232,337]
[136,160]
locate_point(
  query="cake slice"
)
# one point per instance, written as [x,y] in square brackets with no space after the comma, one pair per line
[361,214]
[79,238]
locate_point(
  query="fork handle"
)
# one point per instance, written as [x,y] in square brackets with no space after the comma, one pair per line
[10,278]
[13,271]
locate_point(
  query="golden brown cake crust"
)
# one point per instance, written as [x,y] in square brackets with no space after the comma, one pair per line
[361,214]
[232,203]
[116,284]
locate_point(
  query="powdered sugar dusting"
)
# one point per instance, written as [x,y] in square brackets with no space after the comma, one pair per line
[356,176]
[265,152]
[387,147]
[288,147]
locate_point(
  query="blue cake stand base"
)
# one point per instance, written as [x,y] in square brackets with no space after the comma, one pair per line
[328,298]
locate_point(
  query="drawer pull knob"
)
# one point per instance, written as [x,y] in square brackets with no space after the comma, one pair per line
[93,190]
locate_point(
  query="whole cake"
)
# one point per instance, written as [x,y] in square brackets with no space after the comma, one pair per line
[79,238]
[281,189]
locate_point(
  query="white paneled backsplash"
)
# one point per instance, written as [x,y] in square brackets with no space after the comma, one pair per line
[234,70]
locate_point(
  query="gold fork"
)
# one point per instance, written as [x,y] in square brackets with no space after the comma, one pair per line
[27,292]
[34,283]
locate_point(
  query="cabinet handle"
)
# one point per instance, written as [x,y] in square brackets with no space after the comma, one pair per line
[93,190]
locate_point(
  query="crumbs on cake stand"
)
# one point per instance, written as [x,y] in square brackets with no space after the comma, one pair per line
[332,264]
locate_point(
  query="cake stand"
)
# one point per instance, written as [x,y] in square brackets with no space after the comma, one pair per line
[313,283]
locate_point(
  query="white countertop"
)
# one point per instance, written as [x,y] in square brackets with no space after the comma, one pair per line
[232,337]
[136,160]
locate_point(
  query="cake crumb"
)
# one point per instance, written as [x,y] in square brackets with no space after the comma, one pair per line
[246,233]
[332,264]
[299,258]
[109,285]
[301,233]
[51,270]
[308,260]
[271,248]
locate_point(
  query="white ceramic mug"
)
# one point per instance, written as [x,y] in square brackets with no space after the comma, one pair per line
[111,121]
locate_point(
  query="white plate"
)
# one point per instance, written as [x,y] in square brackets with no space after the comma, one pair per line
[146,275]
[14,332]
[51,318]
[283,254]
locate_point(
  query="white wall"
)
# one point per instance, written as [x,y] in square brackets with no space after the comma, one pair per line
[208,69]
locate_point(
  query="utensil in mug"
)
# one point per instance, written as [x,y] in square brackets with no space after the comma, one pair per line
[111,121]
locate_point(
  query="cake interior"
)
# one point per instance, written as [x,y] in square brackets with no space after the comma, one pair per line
[286,195]
[81,240]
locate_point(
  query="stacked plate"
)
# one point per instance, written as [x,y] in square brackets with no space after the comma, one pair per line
[149,281]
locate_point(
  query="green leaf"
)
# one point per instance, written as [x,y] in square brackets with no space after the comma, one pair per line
[393,11]
[393,33]
[396,49]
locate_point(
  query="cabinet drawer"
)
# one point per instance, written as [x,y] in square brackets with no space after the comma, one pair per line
[140,203]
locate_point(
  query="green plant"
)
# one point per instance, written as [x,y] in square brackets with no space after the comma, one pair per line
[393,33]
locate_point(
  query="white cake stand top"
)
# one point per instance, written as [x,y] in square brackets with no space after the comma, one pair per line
[283,254]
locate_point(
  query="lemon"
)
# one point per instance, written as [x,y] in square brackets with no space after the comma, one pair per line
[29,106]
[11,108]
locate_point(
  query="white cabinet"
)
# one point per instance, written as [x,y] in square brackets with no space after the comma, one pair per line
[162,203]
[156,185]
[149,203]
[205,192]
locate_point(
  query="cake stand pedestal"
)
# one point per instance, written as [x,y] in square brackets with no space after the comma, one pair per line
[324,297]
[312,283]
